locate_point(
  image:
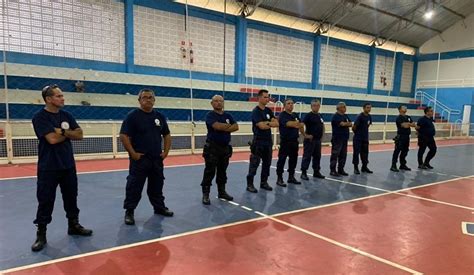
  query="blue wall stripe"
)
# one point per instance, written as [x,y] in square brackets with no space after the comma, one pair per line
[35,84]
[345,44]
[129,37]
[27,111]
[397,74]
[240,50]
[64,62]
[266,27]
[171,6]
[316,63]
[370,79]
[447,55]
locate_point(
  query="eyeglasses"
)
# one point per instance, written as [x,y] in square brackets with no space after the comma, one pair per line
[48,88]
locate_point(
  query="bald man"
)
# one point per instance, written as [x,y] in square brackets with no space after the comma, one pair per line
[217,150]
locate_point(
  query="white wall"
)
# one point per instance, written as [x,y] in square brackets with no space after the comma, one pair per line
[452,73]
[383,67]
[68,28]
[460,36]
[275,56]
[158,36]
[343,67]
[407,76]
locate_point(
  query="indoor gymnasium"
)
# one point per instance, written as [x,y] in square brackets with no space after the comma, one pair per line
[270,136]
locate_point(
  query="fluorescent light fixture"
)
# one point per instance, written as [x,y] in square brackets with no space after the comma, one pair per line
[428,14]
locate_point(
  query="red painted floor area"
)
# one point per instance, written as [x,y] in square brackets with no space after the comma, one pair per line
[28,170]
[422,235]
[459,192]
[258,247]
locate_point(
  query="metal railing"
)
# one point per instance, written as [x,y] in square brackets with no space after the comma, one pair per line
[427,99]
[18,142]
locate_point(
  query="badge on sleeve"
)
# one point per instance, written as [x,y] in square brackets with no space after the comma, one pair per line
[322,120]
[227,121]
[65,125]
[157,122]
[268,116]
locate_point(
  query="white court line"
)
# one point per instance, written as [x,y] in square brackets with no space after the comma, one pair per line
[122,170]
[397,192]
[232,161]
[246,208]
[102,251]
[345,246]
[201,230]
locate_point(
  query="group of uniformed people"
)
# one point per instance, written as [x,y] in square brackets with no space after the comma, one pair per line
[144,130]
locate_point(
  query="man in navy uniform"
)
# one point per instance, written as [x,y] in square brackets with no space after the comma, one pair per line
[217,150]
[402,139]
[340,135]
[55,129]
[141,134]
[360,141]
[426,132]
[263,120]
[290,126]
[314,131]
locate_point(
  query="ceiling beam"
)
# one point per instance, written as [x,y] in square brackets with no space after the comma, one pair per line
[318,21]
[398,21]
[452,11]
[399,17]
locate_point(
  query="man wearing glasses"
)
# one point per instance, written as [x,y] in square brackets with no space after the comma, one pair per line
[55,129]
[141,134]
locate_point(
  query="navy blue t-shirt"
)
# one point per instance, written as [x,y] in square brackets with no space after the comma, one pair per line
[427,128]
[288,133]
[263,137]
[219,137]
[145,131]
[340,132]
[314,125]
[402,119]
[54,156]
[362,124]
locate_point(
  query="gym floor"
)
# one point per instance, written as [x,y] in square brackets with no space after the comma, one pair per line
[383,223]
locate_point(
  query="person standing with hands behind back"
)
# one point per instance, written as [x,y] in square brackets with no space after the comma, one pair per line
[141,134]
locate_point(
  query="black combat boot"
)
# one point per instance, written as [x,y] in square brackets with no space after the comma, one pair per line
[75,228]
[40,238]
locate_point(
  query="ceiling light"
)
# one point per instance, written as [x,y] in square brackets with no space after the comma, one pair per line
[428,14]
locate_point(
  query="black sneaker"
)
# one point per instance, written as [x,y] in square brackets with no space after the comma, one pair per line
[205,200]
[318,175]
[356,170]
[334,174]
[291,179]
[266,186]
[366,169]
[75,228]
[304,176]
[427,165]
[280,182]
[252,189]
[342,173]
[404,167]
[394,168]
[164,212]
[224,195]
[422,167]
[129,217]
